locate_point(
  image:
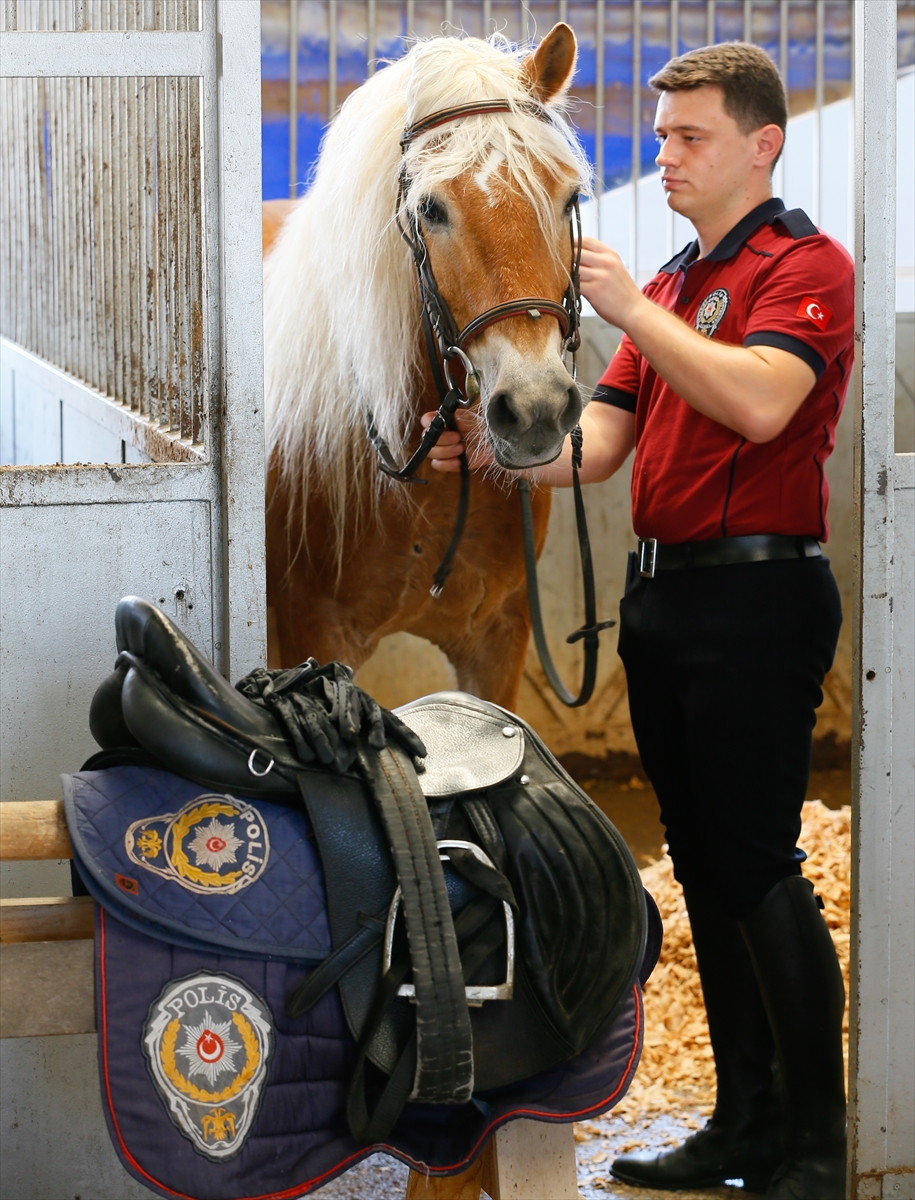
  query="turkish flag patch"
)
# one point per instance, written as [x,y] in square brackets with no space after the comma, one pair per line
[814,311]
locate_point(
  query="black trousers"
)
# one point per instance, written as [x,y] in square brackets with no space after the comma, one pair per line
[725,667]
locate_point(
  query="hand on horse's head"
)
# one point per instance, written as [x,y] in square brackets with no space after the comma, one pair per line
[445,455]
[606,284]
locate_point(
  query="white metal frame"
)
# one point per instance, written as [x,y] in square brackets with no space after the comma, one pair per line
[882,1042]
[227,48]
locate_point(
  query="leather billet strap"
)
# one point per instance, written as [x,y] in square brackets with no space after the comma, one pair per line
[444,1063]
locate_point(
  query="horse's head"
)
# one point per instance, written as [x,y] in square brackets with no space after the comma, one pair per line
[493,198]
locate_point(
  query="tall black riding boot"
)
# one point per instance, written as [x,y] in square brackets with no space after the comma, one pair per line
[745,1137]
[804,995]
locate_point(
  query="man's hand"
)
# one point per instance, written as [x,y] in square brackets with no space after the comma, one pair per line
[445,455]
[606,284]
[608,437]
[754,390]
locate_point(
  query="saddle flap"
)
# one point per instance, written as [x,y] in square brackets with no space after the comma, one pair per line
[470,745]
[199,869]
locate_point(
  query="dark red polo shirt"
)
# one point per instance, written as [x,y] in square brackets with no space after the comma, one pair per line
[774,280]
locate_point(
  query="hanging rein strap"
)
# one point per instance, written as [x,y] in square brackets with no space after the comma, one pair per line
[590,631]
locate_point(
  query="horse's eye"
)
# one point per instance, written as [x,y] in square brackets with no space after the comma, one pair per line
[570,204]
[431,212]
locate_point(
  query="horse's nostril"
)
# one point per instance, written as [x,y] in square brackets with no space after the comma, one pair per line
[573,408]
[502,415]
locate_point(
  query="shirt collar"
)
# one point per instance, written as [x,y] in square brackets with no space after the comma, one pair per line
[763,214]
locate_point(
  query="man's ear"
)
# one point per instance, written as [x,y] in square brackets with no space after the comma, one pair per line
[769,141]
[549,70]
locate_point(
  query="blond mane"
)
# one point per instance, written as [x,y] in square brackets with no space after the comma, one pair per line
[340,309]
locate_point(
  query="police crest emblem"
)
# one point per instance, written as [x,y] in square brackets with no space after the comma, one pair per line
[711,311]
[214,844]
[208,1040]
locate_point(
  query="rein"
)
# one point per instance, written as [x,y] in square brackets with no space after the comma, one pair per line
[445,343]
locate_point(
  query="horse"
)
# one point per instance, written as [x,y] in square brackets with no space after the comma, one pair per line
[491,196]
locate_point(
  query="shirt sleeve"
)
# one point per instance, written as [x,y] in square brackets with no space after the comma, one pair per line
[805,304]
[619,384]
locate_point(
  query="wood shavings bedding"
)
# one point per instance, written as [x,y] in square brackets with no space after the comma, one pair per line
[677,1071]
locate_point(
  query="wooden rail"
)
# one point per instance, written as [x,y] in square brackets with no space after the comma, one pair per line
[47,986]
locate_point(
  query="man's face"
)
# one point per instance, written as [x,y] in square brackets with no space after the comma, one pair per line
[706,163]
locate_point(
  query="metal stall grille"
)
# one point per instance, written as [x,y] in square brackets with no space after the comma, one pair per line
[101,265]
[80,16]
[328,47]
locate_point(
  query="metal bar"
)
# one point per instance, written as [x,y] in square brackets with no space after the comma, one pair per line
[881,1066]
[102,53]
[599,99]
[487,17]
[293,98]
[183,219]
[449,14]
[778,176]
[636,137]
[748,20]
[674,52]
[331,59]
[149,400]
[818,114]
[197,374]
[411,18]
[371,33]
[244,641]
[710,22]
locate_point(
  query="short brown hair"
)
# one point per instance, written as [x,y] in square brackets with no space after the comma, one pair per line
[751,86]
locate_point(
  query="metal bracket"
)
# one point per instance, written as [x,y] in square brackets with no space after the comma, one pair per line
[475,994]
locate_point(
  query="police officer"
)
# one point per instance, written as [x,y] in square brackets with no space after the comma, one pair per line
[728,382]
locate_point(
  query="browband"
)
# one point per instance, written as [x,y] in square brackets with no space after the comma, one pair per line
[475,108]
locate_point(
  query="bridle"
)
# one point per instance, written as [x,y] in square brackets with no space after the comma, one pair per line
[445,343]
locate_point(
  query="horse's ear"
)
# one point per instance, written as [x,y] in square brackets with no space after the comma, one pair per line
[548,71]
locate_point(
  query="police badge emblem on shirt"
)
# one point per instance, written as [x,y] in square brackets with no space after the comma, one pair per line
[711,311]
[207,1040]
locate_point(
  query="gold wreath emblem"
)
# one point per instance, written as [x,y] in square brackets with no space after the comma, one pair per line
[174,1076]
[182,828]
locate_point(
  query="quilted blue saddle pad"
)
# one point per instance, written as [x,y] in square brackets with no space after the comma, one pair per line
[202,870]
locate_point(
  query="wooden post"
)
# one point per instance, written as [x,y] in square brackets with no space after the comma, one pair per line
[524,1160]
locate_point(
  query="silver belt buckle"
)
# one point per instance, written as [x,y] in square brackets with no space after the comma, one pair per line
[648,554]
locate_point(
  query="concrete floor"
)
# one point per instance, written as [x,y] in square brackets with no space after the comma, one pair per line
[382,1178]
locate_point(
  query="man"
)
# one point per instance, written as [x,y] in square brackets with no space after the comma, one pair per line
[729,381]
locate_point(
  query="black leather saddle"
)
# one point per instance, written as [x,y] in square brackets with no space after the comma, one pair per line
[487,920]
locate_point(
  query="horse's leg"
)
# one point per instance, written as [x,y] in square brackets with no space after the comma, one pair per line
[490,660]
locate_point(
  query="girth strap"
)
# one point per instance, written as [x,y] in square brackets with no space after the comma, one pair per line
[444,1065]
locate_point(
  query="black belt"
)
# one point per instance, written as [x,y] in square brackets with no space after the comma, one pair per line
[719,552]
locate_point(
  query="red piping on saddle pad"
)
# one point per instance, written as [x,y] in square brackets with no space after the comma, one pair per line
[301,1188]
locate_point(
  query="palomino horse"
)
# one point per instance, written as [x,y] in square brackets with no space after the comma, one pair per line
[351,554]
